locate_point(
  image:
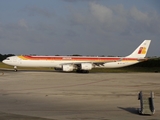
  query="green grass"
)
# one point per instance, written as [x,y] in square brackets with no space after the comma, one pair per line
[102,70]
[4,65]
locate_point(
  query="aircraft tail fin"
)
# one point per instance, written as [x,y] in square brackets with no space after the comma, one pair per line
[141,50]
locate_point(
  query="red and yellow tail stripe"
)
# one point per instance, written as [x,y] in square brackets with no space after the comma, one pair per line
[142,50]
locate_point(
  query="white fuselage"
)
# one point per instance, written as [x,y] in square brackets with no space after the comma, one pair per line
[16,61]
[80,63]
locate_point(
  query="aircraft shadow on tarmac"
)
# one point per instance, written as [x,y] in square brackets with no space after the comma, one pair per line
[9,116]
[32,70]
[130,109]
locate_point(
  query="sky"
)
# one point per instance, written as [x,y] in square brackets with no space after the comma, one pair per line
[84,27]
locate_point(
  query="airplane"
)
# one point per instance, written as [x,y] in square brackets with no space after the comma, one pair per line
[81,64]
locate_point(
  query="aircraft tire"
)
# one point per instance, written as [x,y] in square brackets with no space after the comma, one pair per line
[82,71]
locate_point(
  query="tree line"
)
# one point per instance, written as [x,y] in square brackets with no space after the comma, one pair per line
[2,57]
[152,62]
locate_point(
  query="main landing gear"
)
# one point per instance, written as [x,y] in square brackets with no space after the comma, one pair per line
[15,68]
[82,71]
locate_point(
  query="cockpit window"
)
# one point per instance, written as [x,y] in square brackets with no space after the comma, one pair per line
[7,59]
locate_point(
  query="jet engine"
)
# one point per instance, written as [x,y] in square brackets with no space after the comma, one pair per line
[86,66]
[68,68]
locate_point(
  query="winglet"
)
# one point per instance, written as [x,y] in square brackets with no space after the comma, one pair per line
[141,51]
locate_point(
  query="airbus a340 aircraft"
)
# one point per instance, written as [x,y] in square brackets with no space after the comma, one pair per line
[79,63]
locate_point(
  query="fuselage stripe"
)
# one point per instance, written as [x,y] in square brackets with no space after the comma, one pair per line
[72,58]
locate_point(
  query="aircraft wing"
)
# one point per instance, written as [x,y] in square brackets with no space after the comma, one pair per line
[96,63]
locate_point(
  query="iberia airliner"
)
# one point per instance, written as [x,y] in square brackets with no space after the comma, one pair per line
[79,63]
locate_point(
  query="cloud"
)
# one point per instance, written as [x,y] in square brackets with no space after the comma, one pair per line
[115,19]
[23,23]
[96,29]
[138,15]
[101,13]
[34,11]
[78,0]
[70,0]
[104,25]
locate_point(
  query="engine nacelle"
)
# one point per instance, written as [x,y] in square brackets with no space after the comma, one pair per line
[68,68]
[86,66]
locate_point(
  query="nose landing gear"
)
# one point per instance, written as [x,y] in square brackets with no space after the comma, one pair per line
[15,68]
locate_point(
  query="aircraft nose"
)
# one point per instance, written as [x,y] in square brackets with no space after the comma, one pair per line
[4,61]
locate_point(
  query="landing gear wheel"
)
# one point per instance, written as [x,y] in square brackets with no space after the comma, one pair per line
[82,71]
[15,68]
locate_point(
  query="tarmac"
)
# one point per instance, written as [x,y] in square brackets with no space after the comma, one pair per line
[46,95]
